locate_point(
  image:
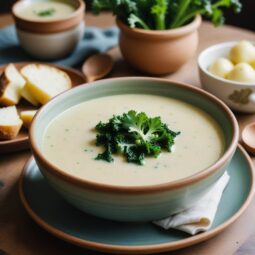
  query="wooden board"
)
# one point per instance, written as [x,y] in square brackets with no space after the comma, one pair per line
[21,141]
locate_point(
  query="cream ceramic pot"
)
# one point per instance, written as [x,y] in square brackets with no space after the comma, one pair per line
[49,38]
[53,45]
[133,203]
[237,95]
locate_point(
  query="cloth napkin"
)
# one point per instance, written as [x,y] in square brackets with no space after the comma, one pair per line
[95,40]
[200,217]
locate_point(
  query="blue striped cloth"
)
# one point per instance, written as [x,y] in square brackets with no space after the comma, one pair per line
[94,40]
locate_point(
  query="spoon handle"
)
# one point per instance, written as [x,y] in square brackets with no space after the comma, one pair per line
[90,79]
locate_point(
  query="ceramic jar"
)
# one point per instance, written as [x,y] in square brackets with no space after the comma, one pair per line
[158,52]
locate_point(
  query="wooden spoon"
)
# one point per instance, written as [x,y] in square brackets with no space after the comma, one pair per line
[97,66]
[248,137]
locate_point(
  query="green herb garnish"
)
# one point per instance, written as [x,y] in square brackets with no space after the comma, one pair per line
[45,13]
[135,135]
[165,14]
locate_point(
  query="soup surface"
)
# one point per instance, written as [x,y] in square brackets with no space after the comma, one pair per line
[69,141]
[46,10]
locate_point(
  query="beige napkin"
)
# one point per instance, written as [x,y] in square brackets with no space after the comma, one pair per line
[200,217]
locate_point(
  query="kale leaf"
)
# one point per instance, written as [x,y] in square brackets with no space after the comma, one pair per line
[135,135]
[165,14]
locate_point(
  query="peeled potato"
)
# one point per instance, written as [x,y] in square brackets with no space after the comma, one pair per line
[253,64]
[221,67]
[243,52]
[242,72]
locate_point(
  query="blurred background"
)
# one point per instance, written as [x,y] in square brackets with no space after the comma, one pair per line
[245,19]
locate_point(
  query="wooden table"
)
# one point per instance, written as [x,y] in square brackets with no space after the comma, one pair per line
[19,235]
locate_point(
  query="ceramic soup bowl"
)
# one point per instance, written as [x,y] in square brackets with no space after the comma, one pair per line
[134,203]
[49,39]
[238,96]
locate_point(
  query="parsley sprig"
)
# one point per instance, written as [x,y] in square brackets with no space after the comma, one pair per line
[46,12]
[135,135]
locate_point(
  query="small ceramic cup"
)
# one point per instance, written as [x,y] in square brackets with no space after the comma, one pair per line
[51,39]
[158,52]
[239,96]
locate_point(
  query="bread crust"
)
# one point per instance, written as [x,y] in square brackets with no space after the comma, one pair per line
[9,132]
[43,95]
[27,117]
[3,86]
[8,83]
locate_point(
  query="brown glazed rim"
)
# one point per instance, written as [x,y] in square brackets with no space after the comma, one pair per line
[51,26]
[18,144]
[160,34]
[51,168]
[142,249]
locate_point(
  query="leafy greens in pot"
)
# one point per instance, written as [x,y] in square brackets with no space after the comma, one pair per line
[165,14]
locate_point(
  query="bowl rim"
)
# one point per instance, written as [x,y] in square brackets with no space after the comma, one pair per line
[56,171]
[215,47]
[167,33]
[49,26]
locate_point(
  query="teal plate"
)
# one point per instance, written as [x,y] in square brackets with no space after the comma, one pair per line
[59,218]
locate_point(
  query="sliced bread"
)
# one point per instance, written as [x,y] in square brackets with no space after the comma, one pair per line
[10,123]
[25,93]
[44,82]
[11,84]
[27,117]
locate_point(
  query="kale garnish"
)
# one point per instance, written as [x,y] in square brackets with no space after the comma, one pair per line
[135,135]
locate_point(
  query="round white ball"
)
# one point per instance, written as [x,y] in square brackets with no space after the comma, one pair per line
[243,52]
[221,67]
[242,72]
[253,64]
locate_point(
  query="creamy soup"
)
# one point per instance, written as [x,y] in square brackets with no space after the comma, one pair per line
[46,10]
[69,141]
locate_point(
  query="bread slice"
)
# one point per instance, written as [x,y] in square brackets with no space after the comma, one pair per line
[10,123]
[25,93]
[11,84]
[44,82]
[27,117]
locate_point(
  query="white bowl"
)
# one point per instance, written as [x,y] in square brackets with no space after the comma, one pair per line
[51,45]
[239,96]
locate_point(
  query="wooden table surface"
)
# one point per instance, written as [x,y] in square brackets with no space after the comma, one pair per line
[20,236]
